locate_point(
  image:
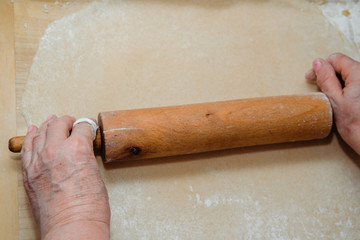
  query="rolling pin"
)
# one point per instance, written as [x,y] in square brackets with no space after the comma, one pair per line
[167,131]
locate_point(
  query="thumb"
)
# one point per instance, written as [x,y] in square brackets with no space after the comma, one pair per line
[326,79]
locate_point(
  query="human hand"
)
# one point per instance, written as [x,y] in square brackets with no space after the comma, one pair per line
[62,180]
[345,101]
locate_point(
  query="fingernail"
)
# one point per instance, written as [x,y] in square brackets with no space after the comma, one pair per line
[30,128]
[317,65]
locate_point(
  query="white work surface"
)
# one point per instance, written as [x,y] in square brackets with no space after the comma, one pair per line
[133,54]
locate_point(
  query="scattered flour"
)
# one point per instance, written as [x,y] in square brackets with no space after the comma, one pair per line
[298,192]
[348,25]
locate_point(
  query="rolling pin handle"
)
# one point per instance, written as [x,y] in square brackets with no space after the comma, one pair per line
[15,143]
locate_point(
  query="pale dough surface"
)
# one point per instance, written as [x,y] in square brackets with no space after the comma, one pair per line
[136,54]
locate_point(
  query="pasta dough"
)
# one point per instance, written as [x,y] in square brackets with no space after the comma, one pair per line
[116,55]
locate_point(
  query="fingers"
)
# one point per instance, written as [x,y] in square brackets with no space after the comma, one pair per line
[53,132]
[345,66]
[58,129]
[311,76]
[27,146]
[326,78]
[40,136]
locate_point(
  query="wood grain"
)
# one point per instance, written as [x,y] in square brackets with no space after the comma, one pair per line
[8,166]
[178,130]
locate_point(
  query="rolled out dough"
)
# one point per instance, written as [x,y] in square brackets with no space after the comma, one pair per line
[133,54]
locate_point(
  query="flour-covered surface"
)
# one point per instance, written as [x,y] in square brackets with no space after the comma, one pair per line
[135,54]
[345,16]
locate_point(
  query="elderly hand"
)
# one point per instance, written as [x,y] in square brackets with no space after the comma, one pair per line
[345,101]
[62,180]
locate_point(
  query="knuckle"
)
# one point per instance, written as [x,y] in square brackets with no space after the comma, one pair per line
[325,76]
[54,122]
[49,151]
[343,60]
[25,149]
[335,56]
[51,124]
[68,118]
[37,139]
[80,143]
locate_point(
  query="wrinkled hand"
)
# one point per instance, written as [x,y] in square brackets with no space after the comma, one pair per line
[63,182]
[345,101]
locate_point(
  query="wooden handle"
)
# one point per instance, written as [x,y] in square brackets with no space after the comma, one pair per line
[169,131]
[15,143]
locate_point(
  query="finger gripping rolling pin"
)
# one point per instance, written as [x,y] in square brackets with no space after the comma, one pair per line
[178,130]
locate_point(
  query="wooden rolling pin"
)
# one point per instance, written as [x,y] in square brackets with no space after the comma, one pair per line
[168,131]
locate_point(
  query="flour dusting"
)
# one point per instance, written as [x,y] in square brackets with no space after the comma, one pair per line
[115,55]
[345,16]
